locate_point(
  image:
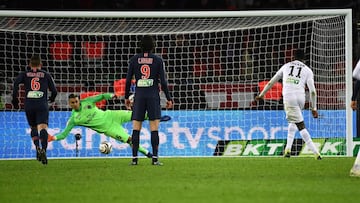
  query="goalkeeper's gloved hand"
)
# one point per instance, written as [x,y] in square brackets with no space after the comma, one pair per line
[51,138]
[15,103]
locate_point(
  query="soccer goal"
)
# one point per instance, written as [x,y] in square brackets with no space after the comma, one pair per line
[216,62]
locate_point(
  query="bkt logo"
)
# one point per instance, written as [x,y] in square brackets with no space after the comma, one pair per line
[326,147]
[254,148]
[331,146]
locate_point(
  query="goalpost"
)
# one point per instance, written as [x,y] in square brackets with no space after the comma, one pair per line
[215,62]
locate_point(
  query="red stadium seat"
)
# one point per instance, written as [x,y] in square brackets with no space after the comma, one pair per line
[61,51]
[275,93]
[93,50]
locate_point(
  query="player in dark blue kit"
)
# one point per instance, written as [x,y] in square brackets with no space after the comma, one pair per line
[148,70]
[36,83]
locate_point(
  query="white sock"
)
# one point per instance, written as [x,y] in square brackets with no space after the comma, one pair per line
[357,160]
[307,139]
[290,136]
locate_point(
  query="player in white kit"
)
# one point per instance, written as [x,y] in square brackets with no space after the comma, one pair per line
[355,170]
[295,75]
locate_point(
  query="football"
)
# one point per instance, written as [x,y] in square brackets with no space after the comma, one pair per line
[131,98]
[105,147]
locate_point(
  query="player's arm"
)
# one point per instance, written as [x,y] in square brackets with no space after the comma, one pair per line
[129,76]
[62,135]
[164,87]
[268,86]
[355,94]
[52,88]
[356,72]
[356,75]
[99,97]
[19,79]
[313,96]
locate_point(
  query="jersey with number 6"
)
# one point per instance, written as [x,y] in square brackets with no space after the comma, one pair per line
[36,84]
[295,76]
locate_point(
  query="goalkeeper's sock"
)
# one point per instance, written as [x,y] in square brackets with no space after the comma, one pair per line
[144,151]
[290,136]
[135,139]
[35,137]
[155,144]
[44,138]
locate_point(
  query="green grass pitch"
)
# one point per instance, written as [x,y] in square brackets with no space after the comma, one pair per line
[180,180]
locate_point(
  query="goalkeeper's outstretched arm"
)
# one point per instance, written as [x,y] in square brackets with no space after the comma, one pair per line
[99,97]
[62,135]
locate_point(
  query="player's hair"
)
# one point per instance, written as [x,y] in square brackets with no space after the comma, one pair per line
[72,96]
[299,54]
[35,61]
[147,43]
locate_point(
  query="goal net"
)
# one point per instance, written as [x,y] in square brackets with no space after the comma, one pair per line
[216,62]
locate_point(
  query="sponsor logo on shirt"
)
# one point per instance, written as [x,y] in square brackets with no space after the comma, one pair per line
[292,81]
[145,83]
[35,94]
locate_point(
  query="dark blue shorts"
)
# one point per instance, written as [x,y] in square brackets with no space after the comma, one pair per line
[37,114]
[151,105]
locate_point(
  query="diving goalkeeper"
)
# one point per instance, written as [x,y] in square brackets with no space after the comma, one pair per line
[85,113]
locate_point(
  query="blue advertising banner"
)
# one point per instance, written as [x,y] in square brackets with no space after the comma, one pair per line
[188,133]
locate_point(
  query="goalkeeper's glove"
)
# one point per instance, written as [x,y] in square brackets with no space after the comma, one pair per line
[51,138]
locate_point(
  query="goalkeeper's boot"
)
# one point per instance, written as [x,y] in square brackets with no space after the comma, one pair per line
[355,171]
[149,155]
[38,153]
[318,157]
[287,153]
[43,157]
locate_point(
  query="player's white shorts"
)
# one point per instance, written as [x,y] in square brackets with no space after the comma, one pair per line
[293,105]
[356,72]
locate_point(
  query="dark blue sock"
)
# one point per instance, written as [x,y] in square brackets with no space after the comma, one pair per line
[44,138]
[135,139]
[155,144]
[35,137]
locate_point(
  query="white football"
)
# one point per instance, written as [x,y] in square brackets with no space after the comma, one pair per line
[131,98]
[105,147]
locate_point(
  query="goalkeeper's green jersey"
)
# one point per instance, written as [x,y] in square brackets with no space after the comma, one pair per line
[101,121]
